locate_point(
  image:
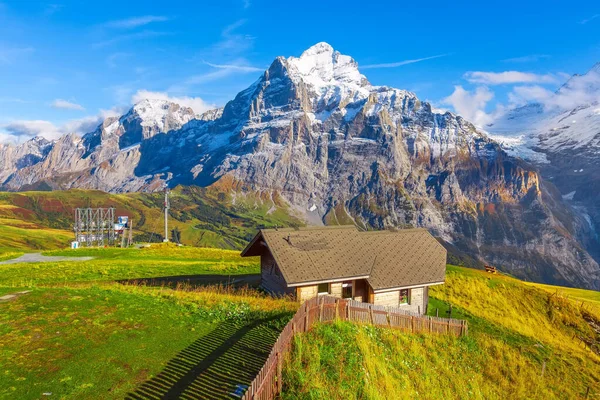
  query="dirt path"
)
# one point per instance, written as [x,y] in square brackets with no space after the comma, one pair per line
[39,258]
[12,296]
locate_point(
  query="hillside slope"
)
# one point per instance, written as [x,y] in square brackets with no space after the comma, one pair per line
[524,342]
[99,329]
[205,217]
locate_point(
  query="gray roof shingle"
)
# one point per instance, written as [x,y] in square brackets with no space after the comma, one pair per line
[388,259]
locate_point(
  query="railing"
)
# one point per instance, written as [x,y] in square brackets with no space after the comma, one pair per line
[268,382]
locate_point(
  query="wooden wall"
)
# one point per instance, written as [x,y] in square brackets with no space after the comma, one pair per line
[304,293]
[387,298]
[271,277]
[417,303]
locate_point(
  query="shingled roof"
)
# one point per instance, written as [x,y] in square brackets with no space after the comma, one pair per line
[387,259]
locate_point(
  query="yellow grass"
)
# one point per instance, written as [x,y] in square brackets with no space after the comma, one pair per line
[525,341]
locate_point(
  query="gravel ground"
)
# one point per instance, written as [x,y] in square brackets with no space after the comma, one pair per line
[38,257]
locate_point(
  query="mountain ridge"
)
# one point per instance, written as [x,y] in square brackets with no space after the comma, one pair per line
[313,131]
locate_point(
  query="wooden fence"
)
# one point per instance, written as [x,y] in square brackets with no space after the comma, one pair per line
[268,382]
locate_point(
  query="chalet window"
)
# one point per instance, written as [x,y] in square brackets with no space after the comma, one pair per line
[347,290]
[323,288]
[404,296]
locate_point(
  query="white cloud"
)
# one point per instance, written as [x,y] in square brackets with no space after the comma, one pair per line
[66,105]
[400,63]
[585,21]
[507,77]
[148,34]
[13,100]
[5,137]
[471,105]
[578,90]
[236,67]
[32,128]
[231,44]
[9,54]
[111,60]
[135,22]
[16,131]
[526,59]
[195,103]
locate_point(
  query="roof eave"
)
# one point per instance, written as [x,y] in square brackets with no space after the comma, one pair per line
[391,289]
[251,244]
[333,280]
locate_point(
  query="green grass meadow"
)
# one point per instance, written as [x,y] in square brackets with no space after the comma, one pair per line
[187,322]
[81,335]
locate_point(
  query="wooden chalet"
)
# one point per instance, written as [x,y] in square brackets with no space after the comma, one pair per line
[392,268]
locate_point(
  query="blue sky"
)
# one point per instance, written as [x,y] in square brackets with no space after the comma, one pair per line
[65,64]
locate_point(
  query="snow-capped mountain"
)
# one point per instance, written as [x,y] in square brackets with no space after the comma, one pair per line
[13,158]
[313,133]
[562,137]
[569,119]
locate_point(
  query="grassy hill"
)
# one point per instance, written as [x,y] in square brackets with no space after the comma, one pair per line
[525,341]
[207,217]
[91,330]
[128,321]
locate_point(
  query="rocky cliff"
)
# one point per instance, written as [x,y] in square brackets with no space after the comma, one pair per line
[315,133]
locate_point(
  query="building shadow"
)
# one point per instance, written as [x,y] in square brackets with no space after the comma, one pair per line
[212,367]
[234,281]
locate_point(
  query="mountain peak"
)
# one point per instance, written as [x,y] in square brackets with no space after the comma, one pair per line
[319,48]
[153,104]
[321,64]
[161,113]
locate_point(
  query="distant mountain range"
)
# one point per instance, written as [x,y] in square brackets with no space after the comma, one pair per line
[312,132]
[562,139]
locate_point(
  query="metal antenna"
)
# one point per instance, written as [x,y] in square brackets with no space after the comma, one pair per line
[167,206]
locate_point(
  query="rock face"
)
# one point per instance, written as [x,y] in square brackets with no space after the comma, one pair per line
[562,138]
[313,131]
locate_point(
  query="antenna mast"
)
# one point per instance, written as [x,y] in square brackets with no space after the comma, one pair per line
[167,206]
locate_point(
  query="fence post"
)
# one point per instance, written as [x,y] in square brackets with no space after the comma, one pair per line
[389,318]
[371,315]
[412,324]
[279,375]
[306,308]
[430,324]
[347,311]
[321,309]
[337,311]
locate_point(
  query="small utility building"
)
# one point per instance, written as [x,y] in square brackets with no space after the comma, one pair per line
[392,268]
